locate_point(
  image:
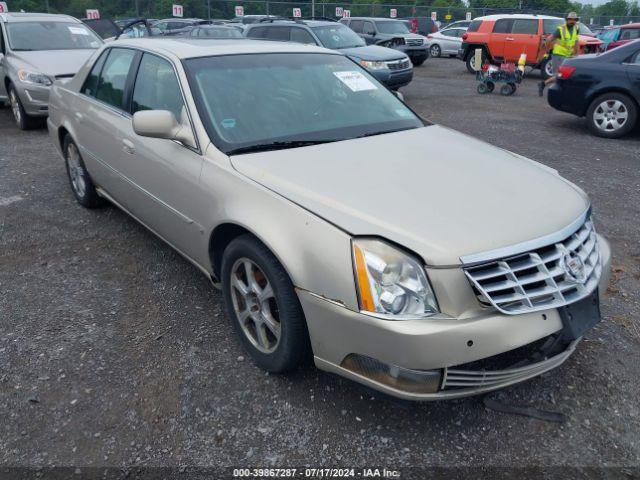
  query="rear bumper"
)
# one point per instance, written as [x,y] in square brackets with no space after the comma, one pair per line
[425,359]
[566,99]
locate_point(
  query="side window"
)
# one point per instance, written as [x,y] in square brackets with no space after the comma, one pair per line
[474,26]
[300,35]
[162,26]
[257,32]
[114,76]
[278,33]
[449,33]
[630,34]
[157,87]
[344,21]
[368,28]
[91,83]
[1,41]
[524,26]
[503,26]
[356,25]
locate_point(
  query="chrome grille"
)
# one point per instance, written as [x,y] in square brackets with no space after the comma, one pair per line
[542,278]
[413,42]
[399,64]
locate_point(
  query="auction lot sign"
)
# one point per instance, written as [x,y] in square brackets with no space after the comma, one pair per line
[178,11]
[239,11]
[297,13]
[339,12]
[3,7]
[93,14]
[393,13]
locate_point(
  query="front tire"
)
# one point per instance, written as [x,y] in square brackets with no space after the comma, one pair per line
[261,301]
[435,51]
[81,184]
[612,115]
[470,62]
[546,69]
[23,121]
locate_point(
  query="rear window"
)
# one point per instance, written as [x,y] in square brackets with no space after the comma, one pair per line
[474,26]
[523,26]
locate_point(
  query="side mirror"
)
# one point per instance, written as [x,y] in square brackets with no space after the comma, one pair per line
[163,124]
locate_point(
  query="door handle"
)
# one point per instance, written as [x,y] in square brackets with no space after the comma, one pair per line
[509,39]
[128,147]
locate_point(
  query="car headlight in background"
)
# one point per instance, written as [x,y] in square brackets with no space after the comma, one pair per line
[391,282]
[36,78]
[373,65]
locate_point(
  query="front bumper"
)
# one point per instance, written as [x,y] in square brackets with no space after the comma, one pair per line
[34,98]
[429,350]
[393,79]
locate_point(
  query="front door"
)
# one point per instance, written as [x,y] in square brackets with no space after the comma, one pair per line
[500,35]
[633,71]
[165,173]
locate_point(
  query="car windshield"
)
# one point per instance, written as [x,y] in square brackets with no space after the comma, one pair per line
[51,36]
[270,101]
[220,32]
[392,27]
[338,36]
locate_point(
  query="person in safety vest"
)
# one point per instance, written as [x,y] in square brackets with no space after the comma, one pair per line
[563,45]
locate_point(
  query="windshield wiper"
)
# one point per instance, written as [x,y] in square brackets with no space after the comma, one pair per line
[264,147]
[382,132]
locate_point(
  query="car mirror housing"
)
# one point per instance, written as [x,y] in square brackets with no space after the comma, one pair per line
[162,124]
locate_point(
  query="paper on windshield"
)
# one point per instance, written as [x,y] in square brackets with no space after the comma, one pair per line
[355,81]
[78,30]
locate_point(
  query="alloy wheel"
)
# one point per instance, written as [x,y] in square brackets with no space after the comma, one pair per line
[76,172]
[255,306]
[610,115]
[435,51]
[548,68]
[15,106]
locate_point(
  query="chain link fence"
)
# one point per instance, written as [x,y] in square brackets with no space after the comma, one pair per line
[212,9]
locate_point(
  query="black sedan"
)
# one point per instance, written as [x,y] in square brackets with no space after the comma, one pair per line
[605,88]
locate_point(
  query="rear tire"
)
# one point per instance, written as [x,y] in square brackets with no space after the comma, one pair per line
[546,69]
[612,115]
[23,121]
[273,331]
[470,61]
[81,184]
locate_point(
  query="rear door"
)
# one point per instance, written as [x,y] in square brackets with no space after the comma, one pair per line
[101,120]
[369,32]
[3,52]
[633,72]
[498,38]
[523,38]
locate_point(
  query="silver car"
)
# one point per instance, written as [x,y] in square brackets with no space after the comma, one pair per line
[35,50]
[445,42]
[321,205]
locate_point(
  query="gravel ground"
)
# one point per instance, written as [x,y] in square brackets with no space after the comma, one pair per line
[115,352]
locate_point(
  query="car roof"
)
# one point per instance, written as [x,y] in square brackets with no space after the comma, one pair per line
[184,47]
[36,17]
[377,19]
[522,16]
[630,25]
[288,22]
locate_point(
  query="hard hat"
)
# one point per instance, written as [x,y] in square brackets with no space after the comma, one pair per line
[572,16]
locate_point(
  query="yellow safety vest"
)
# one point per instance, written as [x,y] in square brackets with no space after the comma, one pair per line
[564,45]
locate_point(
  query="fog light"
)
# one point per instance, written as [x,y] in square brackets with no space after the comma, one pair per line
[399,378]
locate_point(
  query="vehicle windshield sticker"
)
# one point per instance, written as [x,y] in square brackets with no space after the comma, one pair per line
[355,81]
[78,30]
[228,122]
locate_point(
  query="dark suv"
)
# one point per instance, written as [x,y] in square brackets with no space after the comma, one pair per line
[389,66]
[390,33]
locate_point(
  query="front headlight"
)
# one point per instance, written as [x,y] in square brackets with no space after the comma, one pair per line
[26,76]
[373,65]
[391,282]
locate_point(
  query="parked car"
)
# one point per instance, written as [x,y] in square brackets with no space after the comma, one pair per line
[287,174]
[605,88]
[445,42]
[506,37]
[421,25]
[390,33]
[35,50]
[178,26]
[615,36]
[389,66]
[459,24]
[215,31]
[109,30]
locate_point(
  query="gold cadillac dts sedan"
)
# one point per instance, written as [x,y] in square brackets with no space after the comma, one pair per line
[403,255]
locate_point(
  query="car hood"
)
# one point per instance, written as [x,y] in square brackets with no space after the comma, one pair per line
[433,190]
[373,53]
[53,62]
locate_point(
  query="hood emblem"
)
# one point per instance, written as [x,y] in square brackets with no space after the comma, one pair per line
[573,267]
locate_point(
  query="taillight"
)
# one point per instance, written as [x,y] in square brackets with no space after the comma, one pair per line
[565,71]
[464,36]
